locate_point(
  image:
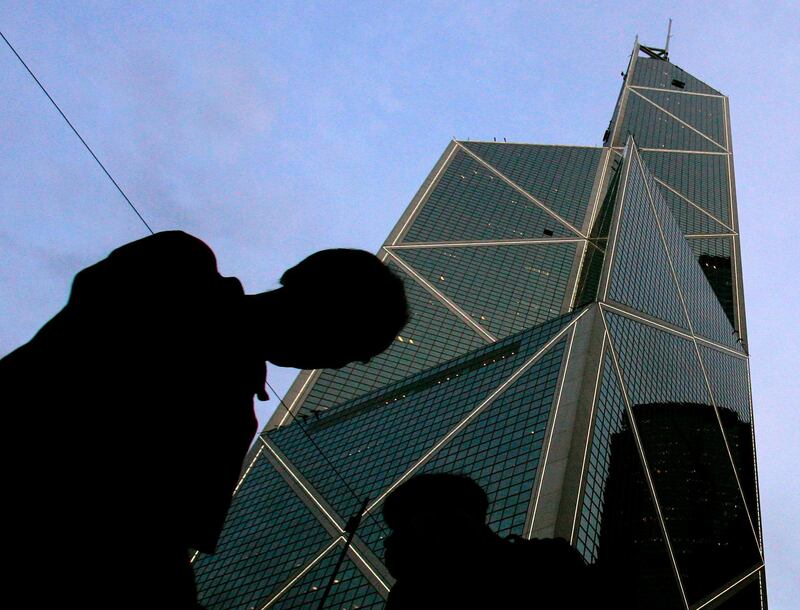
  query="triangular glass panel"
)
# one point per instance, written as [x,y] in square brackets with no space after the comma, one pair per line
[472,202]
[561,177]
[654,128]
[389,430]
[705,311]
[705,114]
[730,385]
[703,510]
[434,334]
[351,589]
[714,257]
[640,275]
[651,72]
[505,289]
[251,560]
[702,179]
[689,218]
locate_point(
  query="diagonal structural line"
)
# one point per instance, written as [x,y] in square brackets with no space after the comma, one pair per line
[709,235]
[640,451]
[675,91]
[682,150]
[75,131]
[626,311]
[681,121]
[424,197]
[733,585]
[589,435]
[314,496]
[301,573]
[475,412]
[553,418]
[447,302]
[690,202]
[486,242]
[313,375]
[611,247]
[521,190]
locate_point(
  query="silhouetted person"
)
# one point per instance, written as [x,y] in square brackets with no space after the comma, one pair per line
[444,556]
[128,415]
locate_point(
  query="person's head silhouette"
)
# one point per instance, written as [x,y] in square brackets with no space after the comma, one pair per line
[438,521]
[335,307]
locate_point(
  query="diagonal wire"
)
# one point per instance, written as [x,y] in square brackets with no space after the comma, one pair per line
[133,207]
[64,116]
[325,457]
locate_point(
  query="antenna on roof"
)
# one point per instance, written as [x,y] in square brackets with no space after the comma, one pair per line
[669,35]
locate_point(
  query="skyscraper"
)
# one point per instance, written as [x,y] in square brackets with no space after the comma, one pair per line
[577,346]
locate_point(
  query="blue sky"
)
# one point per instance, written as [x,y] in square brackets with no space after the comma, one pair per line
[274,130]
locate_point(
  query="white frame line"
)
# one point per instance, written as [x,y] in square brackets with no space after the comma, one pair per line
[643,87]
[522,191]
[444,299]
[486,242]
[681,150]
[708,235]
[605,274]
[300,574]
[724,591]
[623,97]
[553,420]
[313,374]
[266,443]
[684,123]
[684,335]
[692,203]
[589,437]
[424,197]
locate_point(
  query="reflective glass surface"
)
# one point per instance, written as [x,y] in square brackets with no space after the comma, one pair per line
[269,535]
[654,128]
[729,379]
[705,311]
[472,202]
[561,177]
[504,288]
[714,258]
[350,590]
[705,114]
[702,179]
[702,507]
[641,276]
[650,72]
[375,439]
[690,219]
[609,419]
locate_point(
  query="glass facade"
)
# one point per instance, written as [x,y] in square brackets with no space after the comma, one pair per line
[576,345]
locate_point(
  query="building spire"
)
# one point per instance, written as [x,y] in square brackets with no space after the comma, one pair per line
[669,35]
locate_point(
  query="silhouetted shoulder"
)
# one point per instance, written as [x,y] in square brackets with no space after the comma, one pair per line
[168,248]
[170,262]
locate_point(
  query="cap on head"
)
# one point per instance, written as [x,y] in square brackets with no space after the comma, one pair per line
[354,288]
